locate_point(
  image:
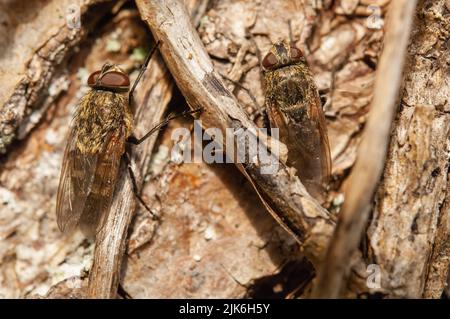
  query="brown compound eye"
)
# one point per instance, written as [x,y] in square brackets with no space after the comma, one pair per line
[269,61]
[296,54]
[93,78]
[113,80]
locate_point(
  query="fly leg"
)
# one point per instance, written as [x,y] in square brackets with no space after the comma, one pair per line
[260,110]
[133,139]
[123,293]
[135,186]
[141,71]
[136,141]
[251,36]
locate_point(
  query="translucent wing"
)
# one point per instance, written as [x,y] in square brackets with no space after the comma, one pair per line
[303,130]
[87,183]
[104,181]
[277,119]
[318,118]
[77,175]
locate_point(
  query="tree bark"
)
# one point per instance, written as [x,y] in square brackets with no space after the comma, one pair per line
[368,167]
[408,235]
[215,237]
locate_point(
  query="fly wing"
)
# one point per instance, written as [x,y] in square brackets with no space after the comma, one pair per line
[318,118]
[77,175]
[303,130]
[277,119]
[105,176]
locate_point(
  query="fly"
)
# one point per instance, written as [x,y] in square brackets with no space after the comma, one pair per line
[101,127]
[293,106]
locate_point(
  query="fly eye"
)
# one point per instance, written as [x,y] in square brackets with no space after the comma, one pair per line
[115,79]
[296,54]
[269,61]
[93,78]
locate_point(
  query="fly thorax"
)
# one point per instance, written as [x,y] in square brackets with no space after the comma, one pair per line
[289,93]
[99,113]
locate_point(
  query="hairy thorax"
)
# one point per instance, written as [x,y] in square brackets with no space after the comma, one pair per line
[293,90]
[98,114]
